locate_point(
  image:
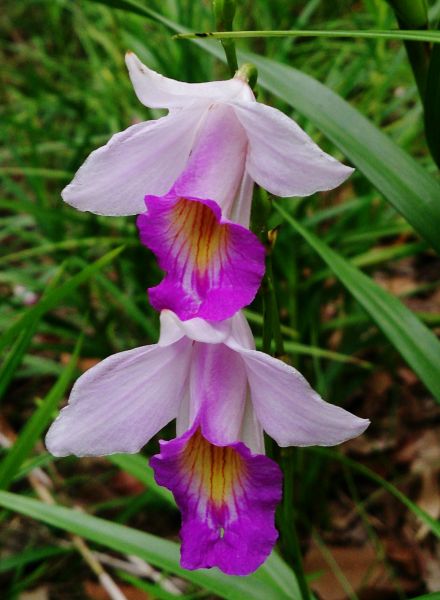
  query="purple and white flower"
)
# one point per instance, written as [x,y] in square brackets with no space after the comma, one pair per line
[213,266]
[223,393]
[217,131]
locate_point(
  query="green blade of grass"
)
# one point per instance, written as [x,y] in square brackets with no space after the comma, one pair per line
[415,342]
[37,423]
[413,34]
[53,298]
[405,184]
[273,580]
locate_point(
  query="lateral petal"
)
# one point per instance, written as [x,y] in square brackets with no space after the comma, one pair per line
[290,411]
[282,158]
[227,497]
[213,267]
[156,91]
[145,158]
[119,404]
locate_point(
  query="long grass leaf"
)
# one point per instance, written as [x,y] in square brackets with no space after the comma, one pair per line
[160,553]
[415,342]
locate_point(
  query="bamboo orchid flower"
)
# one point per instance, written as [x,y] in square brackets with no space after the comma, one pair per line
[213,266]
[223,393]
[219,123]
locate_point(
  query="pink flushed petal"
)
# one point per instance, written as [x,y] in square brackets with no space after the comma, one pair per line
[290,411]
[145,158]
[282,158]
[216,167]
[156,91]
[213,267]
[119,404]
[227,497]
[218,384]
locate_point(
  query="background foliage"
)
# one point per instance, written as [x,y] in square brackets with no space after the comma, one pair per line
[355,273]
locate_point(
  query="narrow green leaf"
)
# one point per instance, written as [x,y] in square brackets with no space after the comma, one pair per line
[432,105]
[29,556]
[45,249]
[37,423]
[432,523]
[404,183]
[416,343]
[53,298]
[398,34]
[273,580]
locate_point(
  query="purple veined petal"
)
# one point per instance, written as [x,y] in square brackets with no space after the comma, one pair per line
[198,330]
[119,404]
[290,411]
[227,497]
[156,91]
[213,267]
[217,164]
[282,158]
[145,158]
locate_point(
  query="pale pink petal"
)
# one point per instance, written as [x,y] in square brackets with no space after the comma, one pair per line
[241,209]
[119,404]
[241,333]
[157,91]
[145,158]
[282,158]
[251,433]
[218,392]
[290,411]
[199,330]
[216,167]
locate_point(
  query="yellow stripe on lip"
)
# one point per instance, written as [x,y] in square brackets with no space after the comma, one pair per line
[218,472]
[198,233]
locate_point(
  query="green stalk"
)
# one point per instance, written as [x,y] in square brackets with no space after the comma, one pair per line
[224,11]
[289,530]
[413,14]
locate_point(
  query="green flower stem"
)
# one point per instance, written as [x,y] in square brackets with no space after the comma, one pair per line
[224,11]
[291,543]
[413,14]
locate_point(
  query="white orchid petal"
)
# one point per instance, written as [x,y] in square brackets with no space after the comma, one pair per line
[119,404]
[146,158]
[156,91]
[199,330]
[282,158]
[291,412]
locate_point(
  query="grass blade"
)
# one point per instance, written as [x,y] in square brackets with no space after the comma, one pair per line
[37,423]
[432,523]
[54,297]
[415,342]
[160,553]
[413,35]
